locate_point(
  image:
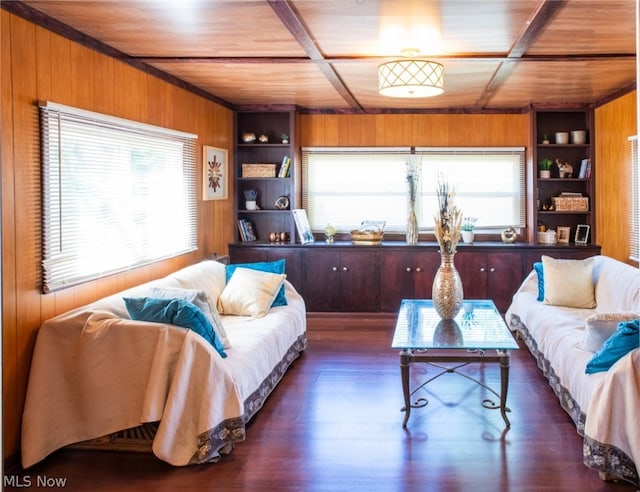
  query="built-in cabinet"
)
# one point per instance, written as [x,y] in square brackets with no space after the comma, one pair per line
[341,277]
[547,124]
[276,195]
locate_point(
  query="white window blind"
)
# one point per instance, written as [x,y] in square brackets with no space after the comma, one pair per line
[117,194]
[633,195]
[343,186]
[489,183]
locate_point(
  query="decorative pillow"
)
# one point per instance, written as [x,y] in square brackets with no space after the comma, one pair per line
[250,292]
[176,312]
[202,301]
[277,266]
[569,282]
[537,266]
[624,340]
[600,326]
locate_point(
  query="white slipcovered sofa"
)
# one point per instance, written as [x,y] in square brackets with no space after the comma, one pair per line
[603,405]
[96,371]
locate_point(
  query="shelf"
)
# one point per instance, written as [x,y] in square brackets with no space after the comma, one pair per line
[269,219]
[262,211]
[568,212]
[559,146]
[558,180]
[253,145]
[262,179]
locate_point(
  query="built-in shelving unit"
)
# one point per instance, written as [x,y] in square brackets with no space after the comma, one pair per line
[269,217]
[549,122]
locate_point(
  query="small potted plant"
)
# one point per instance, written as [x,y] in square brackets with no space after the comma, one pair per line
[284,138]
[545,167]
[250,197]
[468,223]
[545,139]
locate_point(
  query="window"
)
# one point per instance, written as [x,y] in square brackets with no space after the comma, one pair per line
[116,195]
[634,199]
[343,186]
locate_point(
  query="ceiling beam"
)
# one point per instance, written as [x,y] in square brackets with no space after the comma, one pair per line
[292,20]
[532,29]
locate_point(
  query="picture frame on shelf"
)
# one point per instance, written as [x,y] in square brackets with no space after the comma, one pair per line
[563,234]
[215,173]
[302,225]
[582,234]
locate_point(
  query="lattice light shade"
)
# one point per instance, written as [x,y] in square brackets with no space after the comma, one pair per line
[411,78]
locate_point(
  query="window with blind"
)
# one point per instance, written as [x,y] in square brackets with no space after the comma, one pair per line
[343,186]
[634,200]
[117,194]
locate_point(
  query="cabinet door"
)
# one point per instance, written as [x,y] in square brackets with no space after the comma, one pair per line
[293,265]
[472,268]
[322,280]
[358,281]
[405,275]
[396,279]
[504,276]
[340,280]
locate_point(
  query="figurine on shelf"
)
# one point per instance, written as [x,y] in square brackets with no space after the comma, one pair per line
[263,138]
[564,168]
[329,233]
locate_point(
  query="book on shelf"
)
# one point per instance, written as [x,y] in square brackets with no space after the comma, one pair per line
[284,167]
[247,232]
[585,169]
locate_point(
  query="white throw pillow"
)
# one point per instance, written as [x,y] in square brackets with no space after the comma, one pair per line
[250,292]
[569,283]
[600,326]
[202,301]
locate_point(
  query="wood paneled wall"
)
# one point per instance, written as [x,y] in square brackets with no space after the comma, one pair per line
[465,130]
[615,122]
[39,65]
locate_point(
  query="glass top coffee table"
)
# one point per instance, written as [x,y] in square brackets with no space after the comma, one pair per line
[476,332]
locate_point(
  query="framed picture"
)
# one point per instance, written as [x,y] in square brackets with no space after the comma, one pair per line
[302,225]
[563,234]
[215,173]
[582,234]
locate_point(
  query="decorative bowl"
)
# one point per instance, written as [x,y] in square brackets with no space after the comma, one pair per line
[248,137]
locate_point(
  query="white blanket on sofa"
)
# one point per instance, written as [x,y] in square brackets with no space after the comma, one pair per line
[614,413]
[95,373]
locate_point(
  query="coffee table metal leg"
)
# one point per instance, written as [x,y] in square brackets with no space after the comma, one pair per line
[504,385]
[405,358]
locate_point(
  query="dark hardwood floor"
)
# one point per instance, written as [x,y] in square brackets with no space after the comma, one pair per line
[334,424]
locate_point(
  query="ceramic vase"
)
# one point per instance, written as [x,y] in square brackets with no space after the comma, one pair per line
[447,293]
[412,227]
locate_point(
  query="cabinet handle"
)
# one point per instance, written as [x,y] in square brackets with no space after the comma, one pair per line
[492,269]
[345,269]
[408,269]
[334,269]
[483,269]
[418,269]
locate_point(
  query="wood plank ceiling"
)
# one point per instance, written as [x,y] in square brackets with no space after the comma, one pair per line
[322,55]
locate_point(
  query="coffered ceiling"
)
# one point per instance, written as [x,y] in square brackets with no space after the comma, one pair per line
[322,55]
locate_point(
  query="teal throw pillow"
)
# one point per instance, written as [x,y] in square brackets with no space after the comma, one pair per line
[537,266]
[264,266]
[624,340]
[175,312]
